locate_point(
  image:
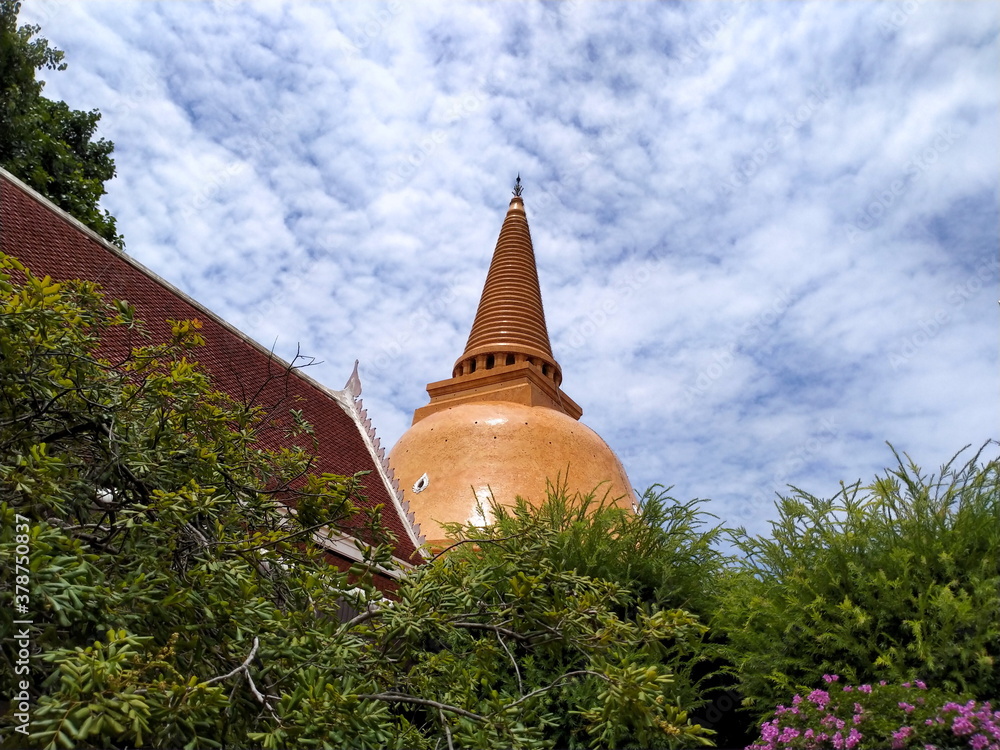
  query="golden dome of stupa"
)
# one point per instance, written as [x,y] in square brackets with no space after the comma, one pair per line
[501,425]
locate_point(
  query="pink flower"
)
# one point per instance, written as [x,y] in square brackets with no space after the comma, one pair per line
[978,742]
[855,737]
[819,697]
[865,688]
[906,707]
[828,678]
[962,725]
[788,735]
[899,737]
[769,731]
[920,684]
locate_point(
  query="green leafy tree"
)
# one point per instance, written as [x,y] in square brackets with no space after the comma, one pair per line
[897,581]
[43,142]
[667,553]
[175,602]
[660,560]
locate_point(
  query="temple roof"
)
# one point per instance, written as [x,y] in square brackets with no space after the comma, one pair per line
[51,242]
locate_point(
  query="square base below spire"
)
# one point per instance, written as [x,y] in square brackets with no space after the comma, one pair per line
[521,383]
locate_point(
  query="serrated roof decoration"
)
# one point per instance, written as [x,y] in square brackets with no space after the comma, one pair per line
[351,397]
[510,318]
[50,242]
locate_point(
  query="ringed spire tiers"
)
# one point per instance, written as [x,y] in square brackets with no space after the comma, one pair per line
[508,356]
[510,320]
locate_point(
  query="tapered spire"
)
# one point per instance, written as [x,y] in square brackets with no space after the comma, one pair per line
[509,326]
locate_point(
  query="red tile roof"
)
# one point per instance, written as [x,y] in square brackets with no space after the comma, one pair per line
[50,242]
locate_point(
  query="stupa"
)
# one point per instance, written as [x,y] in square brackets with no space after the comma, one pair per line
[501,425]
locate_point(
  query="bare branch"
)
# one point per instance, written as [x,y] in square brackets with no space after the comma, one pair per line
[400,698]
[447,729]
[476,541]
[520,685]
[245,669]
[363,617]
[241,667]
[555,684]
[300,532]
[496,629]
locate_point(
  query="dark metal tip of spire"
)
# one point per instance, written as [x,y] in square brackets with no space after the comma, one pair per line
[517,186]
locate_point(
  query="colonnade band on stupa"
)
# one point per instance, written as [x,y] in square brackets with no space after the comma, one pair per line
[501,425]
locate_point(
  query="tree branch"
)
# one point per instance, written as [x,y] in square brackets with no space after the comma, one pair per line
[363,617]
[520,685]
[447,729]
[476,541]
[555,684]
[400,698]
[496,629]
[245,669]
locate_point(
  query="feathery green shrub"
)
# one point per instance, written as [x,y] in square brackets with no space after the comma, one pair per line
[898,581]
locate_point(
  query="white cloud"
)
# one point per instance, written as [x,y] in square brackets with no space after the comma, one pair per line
[746,215]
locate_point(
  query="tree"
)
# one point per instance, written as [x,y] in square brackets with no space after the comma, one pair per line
[175,602]
[897,581]
[666,556]
[44,142]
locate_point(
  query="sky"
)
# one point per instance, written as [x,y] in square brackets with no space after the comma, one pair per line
[766,233]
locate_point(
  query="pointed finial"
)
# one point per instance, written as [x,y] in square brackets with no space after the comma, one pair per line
[517,186]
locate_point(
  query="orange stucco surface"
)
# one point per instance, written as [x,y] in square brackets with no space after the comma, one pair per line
[509,449]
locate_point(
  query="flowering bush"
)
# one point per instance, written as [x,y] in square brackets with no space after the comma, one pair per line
[865,717]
